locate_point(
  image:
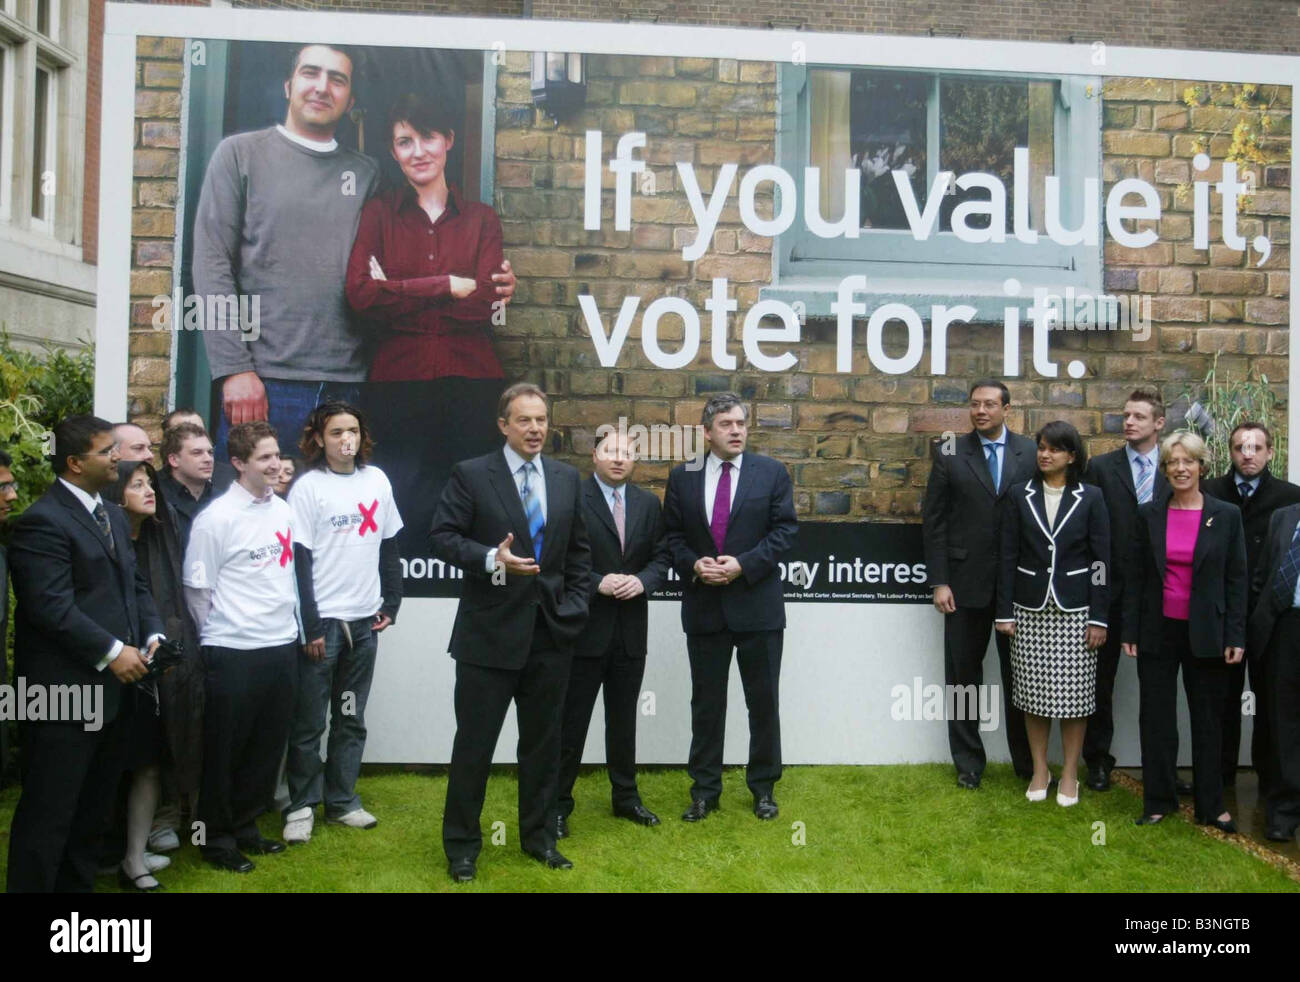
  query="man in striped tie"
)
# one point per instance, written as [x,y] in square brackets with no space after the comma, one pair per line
[512,521]
[1128,476]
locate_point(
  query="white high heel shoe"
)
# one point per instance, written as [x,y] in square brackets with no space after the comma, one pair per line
[1065,800]
[1040,795]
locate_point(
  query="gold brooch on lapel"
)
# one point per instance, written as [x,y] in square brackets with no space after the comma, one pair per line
[1209,521]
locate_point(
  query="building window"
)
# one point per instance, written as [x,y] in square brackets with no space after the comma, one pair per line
[923,124]
[41,121]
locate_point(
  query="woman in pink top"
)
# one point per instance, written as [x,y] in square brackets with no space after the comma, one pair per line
[1187,608]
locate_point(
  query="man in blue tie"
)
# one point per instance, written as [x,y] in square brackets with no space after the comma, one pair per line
[968,477]
[512,521]
[1128,476]
[1252,487]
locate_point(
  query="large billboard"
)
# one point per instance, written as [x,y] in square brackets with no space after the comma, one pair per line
[845,230]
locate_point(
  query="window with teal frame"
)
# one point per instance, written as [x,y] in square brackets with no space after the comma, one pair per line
[923,124]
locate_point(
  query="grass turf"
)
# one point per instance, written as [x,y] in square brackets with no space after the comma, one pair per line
[898,828]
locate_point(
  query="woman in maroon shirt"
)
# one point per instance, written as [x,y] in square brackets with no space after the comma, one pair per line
[420,275]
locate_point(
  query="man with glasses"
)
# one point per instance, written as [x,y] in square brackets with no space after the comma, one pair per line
[84,615]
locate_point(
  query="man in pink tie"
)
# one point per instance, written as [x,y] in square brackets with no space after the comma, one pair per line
[629,561]
[730,520]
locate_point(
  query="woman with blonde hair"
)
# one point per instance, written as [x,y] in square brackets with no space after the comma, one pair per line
[1186,609]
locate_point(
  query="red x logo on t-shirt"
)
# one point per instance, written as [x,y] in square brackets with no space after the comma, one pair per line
[286,547]
[368,517]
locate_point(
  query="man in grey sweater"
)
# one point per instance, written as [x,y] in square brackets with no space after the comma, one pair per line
[274,228]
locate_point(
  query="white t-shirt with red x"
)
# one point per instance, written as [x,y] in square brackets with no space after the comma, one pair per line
[241,549]
[342,519]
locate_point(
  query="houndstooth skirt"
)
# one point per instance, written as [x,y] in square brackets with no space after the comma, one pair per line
[1053,673]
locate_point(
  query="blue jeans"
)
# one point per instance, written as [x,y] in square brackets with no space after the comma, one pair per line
[289,403]
[341,685]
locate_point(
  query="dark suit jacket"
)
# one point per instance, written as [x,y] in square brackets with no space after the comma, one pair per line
[1042,561]
[1112,473]
[645,555]
[480,504]
[1277,542]
[960,515]
[1273,493]
[1218,611]
[74,598]
[761,530]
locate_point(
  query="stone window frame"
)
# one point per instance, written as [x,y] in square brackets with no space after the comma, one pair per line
[61,55]
[941,276]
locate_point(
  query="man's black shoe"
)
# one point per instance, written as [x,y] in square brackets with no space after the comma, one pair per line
[765,807]
[260,846]
[561,827]
[699,809]
[637,813]
[1185,788]
[228,859]
[461,870]
[1277,833]
[553,858]
[1099,778]
[968,780]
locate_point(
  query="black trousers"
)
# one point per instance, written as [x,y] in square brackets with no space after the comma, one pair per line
[421,430]
[69,775]
[1230,717]
[482,698]
[248,707]
[1101,725]
[965,639]
[621,677]
[1282,665]
[758,653]
[1206,681]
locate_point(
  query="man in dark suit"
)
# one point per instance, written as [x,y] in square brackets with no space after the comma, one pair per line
[968,477]
[730,519]
[521,610]
[1252,488]
[84,613]
[1273,645]
[1128,476]
[629,561]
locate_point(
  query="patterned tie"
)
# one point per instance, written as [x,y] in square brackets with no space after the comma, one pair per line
[532,510]
[1244,490]
[1146,478]
[721,507]
[992,449]
[1284,587]
[101,519]
[620,519]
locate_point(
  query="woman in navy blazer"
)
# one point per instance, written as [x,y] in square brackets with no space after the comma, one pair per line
[1186,608]
[1052,600]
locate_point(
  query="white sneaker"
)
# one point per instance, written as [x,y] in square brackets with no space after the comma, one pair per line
[298,826]
[358,818]
[153,862]
[163,840]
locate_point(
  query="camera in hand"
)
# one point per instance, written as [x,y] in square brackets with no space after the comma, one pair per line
[166,656]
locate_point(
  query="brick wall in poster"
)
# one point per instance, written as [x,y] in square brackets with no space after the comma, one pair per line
[856,444]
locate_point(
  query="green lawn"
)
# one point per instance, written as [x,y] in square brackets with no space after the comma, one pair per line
[900,828]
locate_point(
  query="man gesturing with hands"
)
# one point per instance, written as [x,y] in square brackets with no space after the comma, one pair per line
[523,603]
[730,519]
